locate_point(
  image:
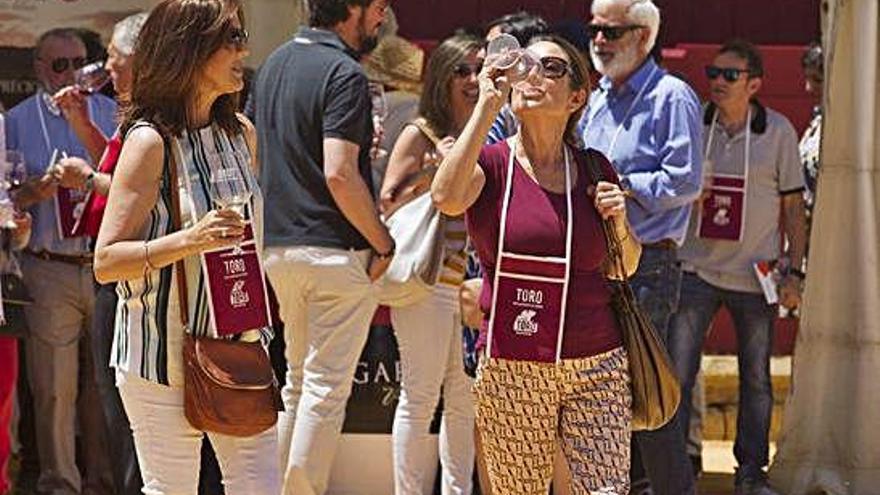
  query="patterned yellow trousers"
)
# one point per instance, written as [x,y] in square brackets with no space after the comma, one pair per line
[524,408]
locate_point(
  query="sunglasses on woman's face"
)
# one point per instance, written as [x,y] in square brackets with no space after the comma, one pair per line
[610,33]
[730,74]
[555,67]
[238,38]
[464,70]
[62,64]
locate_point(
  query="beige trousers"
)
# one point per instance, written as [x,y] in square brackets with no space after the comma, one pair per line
[62,378]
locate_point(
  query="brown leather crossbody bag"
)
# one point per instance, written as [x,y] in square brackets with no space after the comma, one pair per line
[229,386]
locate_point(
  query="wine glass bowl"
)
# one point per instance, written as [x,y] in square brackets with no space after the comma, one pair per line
[521,65]
[91,78]
[229,190]
[12,169]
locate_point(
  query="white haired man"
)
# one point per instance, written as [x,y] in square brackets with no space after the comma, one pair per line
[648,123]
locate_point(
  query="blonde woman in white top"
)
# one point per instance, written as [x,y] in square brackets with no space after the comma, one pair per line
[429,331]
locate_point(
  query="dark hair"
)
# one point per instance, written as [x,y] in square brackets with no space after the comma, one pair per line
[748,52]
[328,13]
[95,49]
[521,25]
[64,33]
[175,42]
[579,77]
[813,57]
[575,32]
[434,104]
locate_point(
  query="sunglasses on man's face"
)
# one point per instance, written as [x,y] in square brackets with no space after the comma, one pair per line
[464,70]
[238,38]
[63,64]
[730,74]
[610,33]
[555,67]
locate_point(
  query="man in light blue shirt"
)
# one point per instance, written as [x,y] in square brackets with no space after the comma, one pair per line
[58,272]
[647,123]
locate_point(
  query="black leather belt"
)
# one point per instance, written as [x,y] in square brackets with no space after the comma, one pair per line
[70,259]
[664,244]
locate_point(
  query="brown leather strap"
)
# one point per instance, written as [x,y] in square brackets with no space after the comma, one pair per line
[615,246]
[422,125]
[179,265]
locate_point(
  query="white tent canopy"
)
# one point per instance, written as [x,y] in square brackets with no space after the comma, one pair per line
[831,433]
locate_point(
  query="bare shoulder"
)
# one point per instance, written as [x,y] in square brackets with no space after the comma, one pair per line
[143,152]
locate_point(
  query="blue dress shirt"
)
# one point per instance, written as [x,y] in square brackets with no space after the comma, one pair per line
[24,133]
[658,151]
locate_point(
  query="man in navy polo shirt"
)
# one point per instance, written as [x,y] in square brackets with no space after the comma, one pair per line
[325,242]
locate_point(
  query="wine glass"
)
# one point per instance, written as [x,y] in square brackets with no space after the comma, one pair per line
[229,190]
[521,65]
[13,169]
[91,78]
[379,112]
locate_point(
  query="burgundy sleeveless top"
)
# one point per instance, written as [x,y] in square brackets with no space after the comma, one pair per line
[536,225]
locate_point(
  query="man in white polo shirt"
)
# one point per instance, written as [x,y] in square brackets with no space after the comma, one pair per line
[751,210]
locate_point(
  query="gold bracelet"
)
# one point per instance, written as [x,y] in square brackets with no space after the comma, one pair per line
[148,266]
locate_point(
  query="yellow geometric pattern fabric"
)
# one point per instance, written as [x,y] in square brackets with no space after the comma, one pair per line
[524,407]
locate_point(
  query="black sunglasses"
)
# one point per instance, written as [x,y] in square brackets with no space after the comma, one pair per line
[238,38]
[464,70]
[62,64]
[610,33]
[730,74]
[555,67]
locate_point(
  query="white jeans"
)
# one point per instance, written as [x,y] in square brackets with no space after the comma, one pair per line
[327,302]
[429,337]
[168,447]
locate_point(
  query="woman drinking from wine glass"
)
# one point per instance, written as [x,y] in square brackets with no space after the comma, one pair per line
[429,330]
[553,365]
[185,153]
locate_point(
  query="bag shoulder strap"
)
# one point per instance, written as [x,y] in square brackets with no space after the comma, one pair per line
[422,125]
[176,224]
[615,247]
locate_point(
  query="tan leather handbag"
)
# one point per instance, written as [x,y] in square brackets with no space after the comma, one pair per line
[229,386]
[656,391]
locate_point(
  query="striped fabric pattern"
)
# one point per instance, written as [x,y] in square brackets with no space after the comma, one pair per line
[148,335]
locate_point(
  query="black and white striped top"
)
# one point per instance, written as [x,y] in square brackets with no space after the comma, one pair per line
[148,334]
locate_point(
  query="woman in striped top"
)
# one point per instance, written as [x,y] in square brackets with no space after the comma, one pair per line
[429,331]
[182,115]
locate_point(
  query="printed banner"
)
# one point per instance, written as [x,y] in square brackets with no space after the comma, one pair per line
[237,287]
[69,206]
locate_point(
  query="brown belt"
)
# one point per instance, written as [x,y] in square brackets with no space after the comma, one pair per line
[664,244]
[70,259]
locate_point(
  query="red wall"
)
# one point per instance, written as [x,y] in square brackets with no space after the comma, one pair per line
[684,21]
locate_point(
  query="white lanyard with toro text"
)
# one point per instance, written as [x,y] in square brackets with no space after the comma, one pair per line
[502,254]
